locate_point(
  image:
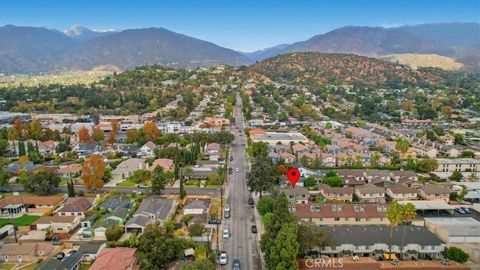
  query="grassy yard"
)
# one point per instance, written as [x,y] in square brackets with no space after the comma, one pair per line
[7,266]
[127,183]
[21,221]
[213,185]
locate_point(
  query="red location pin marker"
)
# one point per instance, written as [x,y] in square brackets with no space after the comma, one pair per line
[293,175]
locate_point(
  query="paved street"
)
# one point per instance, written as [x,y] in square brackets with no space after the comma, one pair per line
[242,243]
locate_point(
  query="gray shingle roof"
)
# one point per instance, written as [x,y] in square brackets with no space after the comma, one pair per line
[157,206]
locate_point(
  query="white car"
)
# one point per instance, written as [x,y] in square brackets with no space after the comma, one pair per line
[223,258]
[226,233]
[237,169]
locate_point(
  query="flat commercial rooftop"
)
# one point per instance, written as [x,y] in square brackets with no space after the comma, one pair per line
[429,205]
[274,136]
[466,226]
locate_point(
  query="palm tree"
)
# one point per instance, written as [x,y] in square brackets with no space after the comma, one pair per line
[394,215]
[409,214]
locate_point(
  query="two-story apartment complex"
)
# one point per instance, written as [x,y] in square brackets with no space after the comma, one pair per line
[341,214]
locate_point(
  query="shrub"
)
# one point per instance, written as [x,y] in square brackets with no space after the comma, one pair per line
[114,233]
[265,205]
[196,229]
[456,254]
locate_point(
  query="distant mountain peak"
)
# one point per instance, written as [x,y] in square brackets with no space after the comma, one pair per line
[76,30]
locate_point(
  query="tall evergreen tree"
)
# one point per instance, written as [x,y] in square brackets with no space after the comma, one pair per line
[21,149]
[70,188]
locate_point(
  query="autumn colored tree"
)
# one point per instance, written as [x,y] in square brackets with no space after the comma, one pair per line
[84,135]
[97,135]
[93,170]
[19,127]
[282,169]
[35,130]
[132,135]
[115,130]
[151,131]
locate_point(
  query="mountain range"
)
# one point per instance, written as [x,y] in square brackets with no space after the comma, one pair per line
[25,49]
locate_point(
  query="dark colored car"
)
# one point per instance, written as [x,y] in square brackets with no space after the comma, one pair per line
[230,170]
[254,229]
[250,201]
[231,158]
[236,264]
[214,221]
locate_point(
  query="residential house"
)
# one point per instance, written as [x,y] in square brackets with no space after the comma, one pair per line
[70,171]
[398,176]
[86,252]
[297,194]
[58,224]
[352,178]
[212,150]
[198,209]
[147,150]
[153,208]
[336,193]
[14,205]
[401,192]
[126,168]
[130,150]
[116,258]
[341,214]
[117,201]
[370,193]
[165,163]
[328,160]
[84,150]
[24,252]
[299,148]
[434,193]
[120,215]
[47,147]
[99,228]
[17,167]
[273,157]
[287,157]
[459,164]
[332,149]
[199,172]
[76,206]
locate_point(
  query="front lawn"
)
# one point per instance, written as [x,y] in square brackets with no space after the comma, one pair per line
[21,221]
[127,183]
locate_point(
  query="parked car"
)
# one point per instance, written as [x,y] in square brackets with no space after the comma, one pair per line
[223,258]
[237,169]
[254,229]
[230,170]
[59,256]
[214,221]
[250,201]
[226,211]
[466,210]
[70,253]
[231,158]
[460,210]
[236,264]
[226,233]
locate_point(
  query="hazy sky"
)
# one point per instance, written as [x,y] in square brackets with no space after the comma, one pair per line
[240,25]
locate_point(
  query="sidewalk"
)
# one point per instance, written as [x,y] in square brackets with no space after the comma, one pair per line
[260,231]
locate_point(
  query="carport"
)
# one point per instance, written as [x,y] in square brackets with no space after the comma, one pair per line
[426,208]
